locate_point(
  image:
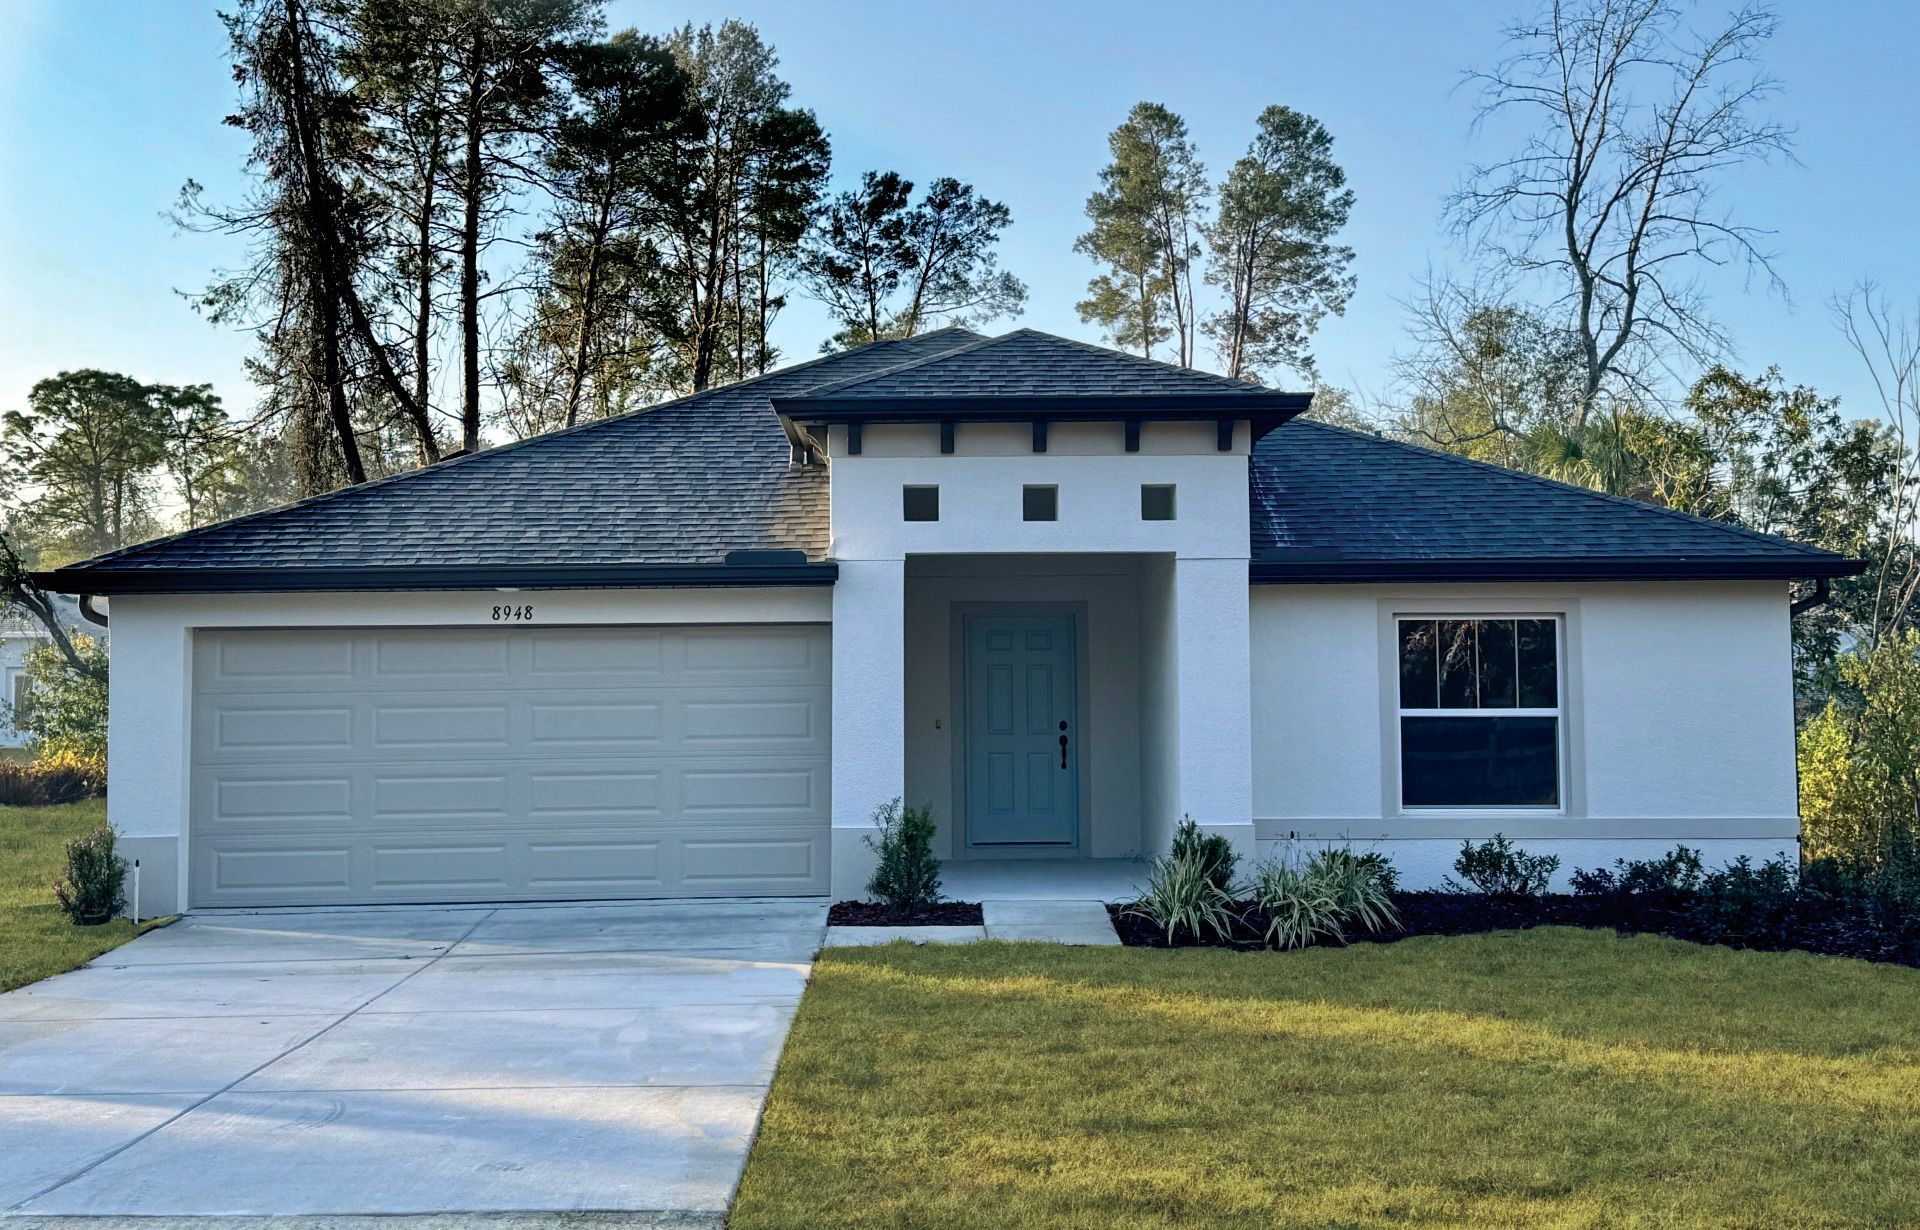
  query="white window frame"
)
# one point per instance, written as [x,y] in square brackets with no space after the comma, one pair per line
[16,678]
[1559,713]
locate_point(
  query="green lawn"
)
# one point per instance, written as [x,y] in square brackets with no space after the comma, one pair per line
[36,940]
[1554,1078]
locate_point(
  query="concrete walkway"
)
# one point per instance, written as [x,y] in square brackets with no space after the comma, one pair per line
[1081,923]
[404,1061]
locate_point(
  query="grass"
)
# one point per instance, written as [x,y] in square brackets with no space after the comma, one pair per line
[36,940]
[1551,1078]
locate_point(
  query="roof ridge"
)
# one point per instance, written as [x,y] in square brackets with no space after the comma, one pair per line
[834,386]
[1574,488]
[1142,360]
[499,450]
[1227,383]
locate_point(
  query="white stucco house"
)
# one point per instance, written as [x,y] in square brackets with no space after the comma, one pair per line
[20,634]
[1064,595]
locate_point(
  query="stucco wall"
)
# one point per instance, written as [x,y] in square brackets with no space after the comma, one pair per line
[1678,721]
[152,654]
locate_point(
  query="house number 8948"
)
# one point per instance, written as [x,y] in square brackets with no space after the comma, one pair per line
[502,614]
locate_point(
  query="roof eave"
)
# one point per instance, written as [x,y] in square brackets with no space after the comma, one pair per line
[110,582]
[1324,571]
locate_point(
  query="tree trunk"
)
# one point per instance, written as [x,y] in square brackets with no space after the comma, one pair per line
[316,205]
[423,301]
[470,253]
[589,292]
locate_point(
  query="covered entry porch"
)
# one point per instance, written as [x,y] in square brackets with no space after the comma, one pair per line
[1060,712]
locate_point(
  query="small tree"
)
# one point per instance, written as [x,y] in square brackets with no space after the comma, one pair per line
[907,879]
[65,714]
[1860,759]
[1272,246]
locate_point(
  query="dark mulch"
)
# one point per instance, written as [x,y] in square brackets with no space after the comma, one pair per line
[1811,924]
[873,914]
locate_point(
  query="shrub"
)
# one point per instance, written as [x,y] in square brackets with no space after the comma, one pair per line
[1181,893]
[1742,903]
[53,779]
[1362,885]
[94,890]
[1859,758]
[1498,868]
[907,879]
[1211,851]
[1301,907]
[1318,902]
[1678,871]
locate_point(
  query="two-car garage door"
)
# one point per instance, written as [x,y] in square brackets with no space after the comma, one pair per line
[457,764]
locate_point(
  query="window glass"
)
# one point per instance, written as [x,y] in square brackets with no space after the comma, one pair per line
[1480,762]
[1156,502]
[1040,503]
[1419,672]
[920,503]
[1494,662]
[1457,662]
[1456,748]
[1539,664]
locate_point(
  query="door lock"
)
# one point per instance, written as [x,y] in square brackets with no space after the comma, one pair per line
[1063,745]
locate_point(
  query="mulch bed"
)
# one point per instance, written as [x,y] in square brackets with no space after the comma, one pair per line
[873,914]
[1824,927]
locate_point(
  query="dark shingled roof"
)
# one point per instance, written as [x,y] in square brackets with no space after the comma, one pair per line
[682,483]
[701,491]
[1331,504]
[1027,363]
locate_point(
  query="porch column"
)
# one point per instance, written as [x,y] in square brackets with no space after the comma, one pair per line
[1213,718]
[869,710]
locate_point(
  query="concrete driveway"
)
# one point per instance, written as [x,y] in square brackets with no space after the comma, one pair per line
[401,1061]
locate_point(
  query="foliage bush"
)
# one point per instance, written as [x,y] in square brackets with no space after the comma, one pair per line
[1678,871]
[1211,851]
[1334,890]
[53,779]
[1745,904]
[94,890]
[1498,868]
[65,714]
[1859,760]
[907,878]
[1182,894]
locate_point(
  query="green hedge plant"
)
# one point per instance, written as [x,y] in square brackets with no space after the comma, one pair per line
[1499,868]
[907,877]
[94,890]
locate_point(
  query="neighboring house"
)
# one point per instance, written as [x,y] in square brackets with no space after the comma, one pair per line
[20,634]
[1066,596]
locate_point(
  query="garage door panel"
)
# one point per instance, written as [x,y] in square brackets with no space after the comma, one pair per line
[637,658]
[752,863]
[435,870]
[430,780]
[560,725]
[434,654]
[278,803]
[757,656]
[559,796]
[443,727]
[277,662]
[284,874]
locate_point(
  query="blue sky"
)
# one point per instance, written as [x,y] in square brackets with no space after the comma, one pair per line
[106,106]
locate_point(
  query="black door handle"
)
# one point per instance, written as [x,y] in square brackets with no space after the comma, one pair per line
[1063,746]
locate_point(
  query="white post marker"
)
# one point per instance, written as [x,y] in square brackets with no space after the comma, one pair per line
[136,892]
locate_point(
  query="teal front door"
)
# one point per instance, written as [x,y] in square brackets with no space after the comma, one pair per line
[1022,750]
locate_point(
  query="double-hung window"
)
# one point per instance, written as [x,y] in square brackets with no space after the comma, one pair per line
[1480,712]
